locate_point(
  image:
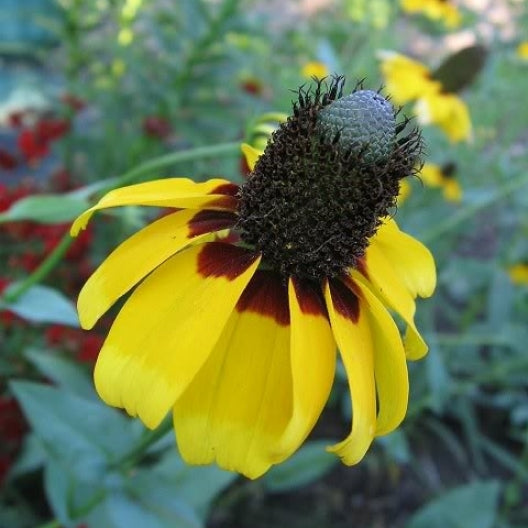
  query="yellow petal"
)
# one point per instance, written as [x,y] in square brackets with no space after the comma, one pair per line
[168,327]
[237,407]
[410,259]
[137,256]
[390,368]
[252,155]
[431,175]
[452,190]
[394,294]
[405,78]
[447,111]
[518,274]
[178,193]
[351,330]
[313,357]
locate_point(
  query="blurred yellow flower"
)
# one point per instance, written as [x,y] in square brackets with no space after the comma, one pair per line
[316,69]
[448,112]
[409,80]
[435,10]
[522,50]
[519,274]
[405,192]
[443,177]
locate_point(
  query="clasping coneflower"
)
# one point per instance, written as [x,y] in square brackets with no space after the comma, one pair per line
[237,335]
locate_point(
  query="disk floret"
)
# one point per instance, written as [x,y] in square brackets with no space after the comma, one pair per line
[325,180]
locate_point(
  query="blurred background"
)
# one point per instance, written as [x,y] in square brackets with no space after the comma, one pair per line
[94,90]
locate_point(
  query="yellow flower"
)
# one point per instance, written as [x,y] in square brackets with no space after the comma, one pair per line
[435,10]
[448,112]
[408,80]
[405,192]
[522,50]
[405,78]
[238,336]
[519,274]
[442,177]
[316,69]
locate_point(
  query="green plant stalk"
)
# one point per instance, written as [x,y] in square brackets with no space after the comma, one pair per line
[49,263]
[129,460]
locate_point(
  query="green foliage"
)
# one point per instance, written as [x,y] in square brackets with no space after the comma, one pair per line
[92,464]
[42,304]
[309,464]
[470,506]
[45,209]
[207,70]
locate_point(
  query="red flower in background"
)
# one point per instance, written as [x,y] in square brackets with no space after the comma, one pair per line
[85,347]
[156,127]
[34,143]
[12,429]
[7,161]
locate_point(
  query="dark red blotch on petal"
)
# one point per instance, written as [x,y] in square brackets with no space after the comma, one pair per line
[310,297]
[267,295]
[209,221]
[217,259]
[229,189]
[344,300]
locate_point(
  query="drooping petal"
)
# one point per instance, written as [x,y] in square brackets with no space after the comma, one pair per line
[237,407]
[350,325]
[390,368]
[144,251]
[411,260]
[251,154]
[392,291]
[313,357]
[168,327]
[178,193]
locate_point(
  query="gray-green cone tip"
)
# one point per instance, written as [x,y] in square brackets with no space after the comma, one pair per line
[365,122]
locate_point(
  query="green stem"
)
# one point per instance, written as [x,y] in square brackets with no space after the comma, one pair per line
[49,263]
[223,149]
[150,438]
[42,271]
[466,213]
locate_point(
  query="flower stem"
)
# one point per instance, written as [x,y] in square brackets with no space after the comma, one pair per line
[49,263]
[41,271]
[149,438]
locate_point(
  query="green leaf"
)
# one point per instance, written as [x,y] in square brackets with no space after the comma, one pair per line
[45,209]
[125,512]
[396,445]
[64,373]
[193,486]
[438,377]
[82,433]
[32,457]
[310,463]
[460,69]
[470,506]
[42,304]
[57,484]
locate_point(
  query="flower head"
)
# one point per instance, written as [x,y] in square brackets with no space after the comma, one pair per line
[237,335]
[316,69]
[434,9]
[522,50]
[408,80]
[444,178]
